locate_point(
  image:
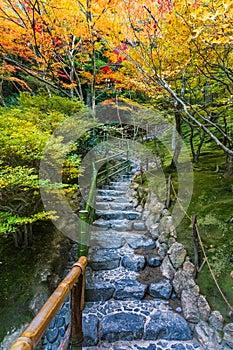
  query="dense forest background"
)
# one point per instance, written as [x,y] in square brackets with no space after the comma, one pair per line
[66,59]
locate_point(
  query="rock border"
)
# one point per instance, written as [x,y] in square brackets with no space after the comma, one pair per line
[207,326]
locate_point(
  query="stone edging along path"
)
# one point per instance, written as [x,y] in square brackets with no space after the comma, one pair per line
[207,325]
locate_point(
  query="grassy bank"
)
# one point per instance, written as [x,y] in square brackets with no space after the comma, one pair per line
[26,273]
[212,202]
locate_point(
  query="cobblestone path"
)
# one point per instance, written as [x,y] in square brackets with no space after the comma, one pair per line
[126,308]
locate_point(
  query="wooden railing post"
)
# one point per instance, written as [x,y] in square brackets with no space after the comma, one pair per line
[76,337]
[141,173]
[82,244]
[107,166]
[30,337]
[128,157]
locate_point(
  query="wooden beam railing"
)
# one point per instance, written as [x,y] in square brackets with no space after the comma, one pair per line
[87,215]
[74,283]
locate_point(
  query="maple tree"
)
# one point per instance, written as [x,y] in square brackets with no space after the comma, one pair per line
[57,42]
[184,49]
[180,48]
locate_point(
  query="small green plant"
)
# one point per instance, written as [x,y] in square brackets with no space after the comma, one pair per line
[218,259]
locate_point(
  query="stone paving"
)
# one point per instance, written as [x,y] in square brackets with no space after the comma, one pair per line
[123,310]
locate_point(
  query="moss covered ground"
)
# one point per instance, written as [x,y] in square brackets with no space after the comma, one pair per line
[21,275]
[212,202]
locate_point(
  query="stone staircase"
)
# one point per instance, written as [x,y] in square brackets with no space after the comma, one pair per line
[128,303]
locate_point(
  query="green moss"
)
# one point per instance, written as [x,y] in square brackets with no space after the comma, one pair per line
[212,202]
[18,281]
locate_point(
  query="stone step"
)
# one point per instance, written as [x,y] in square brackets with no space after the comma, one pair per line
[112,238]
[116,273]
[114,206]
[119,284]
[149,345]
[117,187]
[118,225]
[119,182]
[118,215]
[110,193]
[115,199]
[125,177]
[116,238]
[151,322]
[139,226]
[106,239]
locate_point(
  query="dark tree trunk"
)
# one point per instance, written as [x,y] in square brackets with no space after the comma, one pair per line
[229,166]
[198,152]
[178,145]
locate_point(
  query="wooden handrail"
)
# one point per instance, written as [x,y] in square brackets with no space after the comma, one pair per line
[88,214]
[34,331]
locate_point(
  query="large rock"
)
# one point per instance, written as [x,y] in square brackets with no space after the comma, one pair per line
[140,242]
[162,249]
[177,254]
[106,239]
[203,307]
[216,320]
[154,230]
[121,225]
[161,289]
[189,306]
[134,262]
[228,335]
[98,291]
[129,289]
[154,260]
[104,224]
[52,335]
[163,237]
[183,280]
[189,268]
[38,300]
[122,326]
[167,268]
[167,325]
[104,259]
[207,336]
[11,337]
[166,224]
[90,329]
[139,226]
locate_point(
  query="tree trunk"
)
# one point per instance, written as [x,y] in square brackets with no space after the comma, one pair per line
[178,144]
[30,234]
[198,152]
[25,235]
[229,166]
[191,141]
[18,239]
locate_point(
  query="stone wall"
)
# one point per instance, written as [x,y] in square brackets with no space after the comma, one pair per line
[178,271]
